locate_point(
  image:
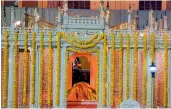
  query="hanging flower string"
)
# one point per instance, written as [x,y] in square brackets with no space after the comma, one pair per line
[135,66]
[127,65]
[165,96]
[58,68]
[66,74]
[15,74]
[152,47]
[144,70]
[112,71]
[97,76]
[84,42]
[104,94]
[33,67]
[41,68]
[82,46]
[49,67]
[121,70]
[25,67]
[5,73]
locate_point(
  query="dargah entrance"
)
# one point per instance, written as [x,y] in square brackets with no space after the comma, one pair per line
[69,58]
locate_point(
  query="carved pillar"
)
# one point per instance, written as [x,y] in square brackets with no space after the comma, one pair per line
[10,75]
[124,74]
[12,19]
[99,105]
[36,104]
[131,72]
[149,81]
[108,76]
[63,79]
[54,78]
[169,79]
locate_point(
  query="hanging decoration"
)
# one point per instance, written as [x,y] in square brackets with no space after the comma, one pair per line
[15,74]
[93,44]
[165,96]
[127,66]
[144,69]
[33,67]
[84,42]
[25,67]
[152,47]
[5,73]
[121,69]
[104,92]
[135,66]
[41,67]
[49,67]
[97,76]
[58,68]
[112,71]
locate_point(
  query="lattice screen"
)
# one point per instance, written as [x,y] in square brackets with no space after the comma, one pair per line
[159,61]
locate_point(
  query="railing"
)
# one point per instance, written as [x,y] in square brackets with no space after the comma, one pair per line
[159,39]
[83,21]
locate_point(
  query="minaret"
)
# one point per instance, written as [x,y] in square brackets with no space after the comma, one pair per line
[129,17]
[65,7]
[165,21]
[4,21]
[58,14]
[12,17]
[156,24]
[37,17]
[161,23]
[26,18]
[107,13]
[150,23]
[102,12]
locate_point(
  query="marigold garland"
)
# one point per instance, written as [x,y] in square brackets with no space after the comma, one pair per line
[25,67]
[49,67]
[121,70]
[127,66]
[144,70]
[152,47]
[15,74]
[165,95]
[5,76]
[112,72]
[58,68]
[81,50]
[97,76]
[84,42]
[33,67]
[135,66]
[104,94]
[66,74]
[82,46]
[41,67]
